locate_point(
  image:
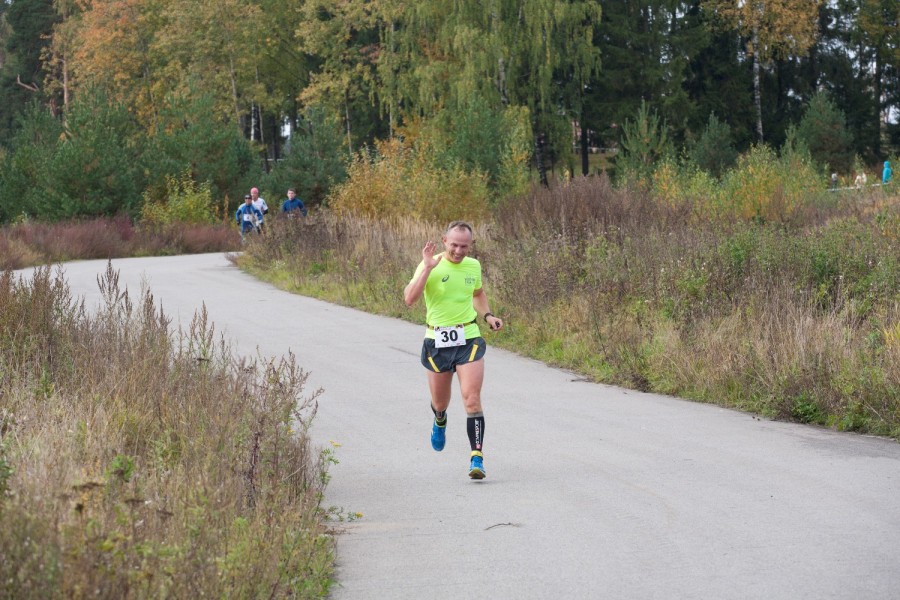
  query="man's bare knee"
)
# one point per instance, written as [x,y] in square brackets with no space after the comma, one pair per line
[472,402]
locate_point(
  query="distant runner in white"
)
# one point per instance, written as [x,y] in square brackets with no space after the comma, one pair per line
[260,205]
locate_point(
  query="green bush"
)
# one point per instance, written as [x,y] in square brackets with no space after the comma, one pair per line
[96,167]
[98,164]
[823,129]
[762,186]
[187,138]
[479,139]
[398,181]
[684,185]
[645,140]
[768,187]
[25,173]
[714,151]
[185,201]
[89,167]
[314,163]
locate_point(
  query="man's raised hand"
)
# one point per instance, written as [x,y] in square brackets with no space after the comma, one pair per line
[428,255]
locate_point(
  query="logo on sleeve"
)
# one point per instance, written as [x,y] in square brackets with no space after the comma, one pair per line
[445,278]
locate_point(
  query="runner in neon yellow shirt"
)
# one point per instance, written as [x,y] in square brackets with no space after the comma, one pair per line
[454,299]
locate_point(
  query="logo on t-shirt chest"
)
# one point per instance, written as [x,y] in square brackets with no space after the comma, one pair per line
[469,279]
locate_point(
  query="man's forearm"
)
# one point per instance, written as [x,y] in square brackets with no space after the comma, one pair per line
[416,288]
[480,302]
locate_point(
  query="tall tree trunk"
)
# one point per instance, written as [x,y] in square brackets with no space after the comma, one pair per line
[501,82]
[393,85]
[145,71]
[262,127]
[391,120]
[585,163]
[879,67]
[275,137]
[539,157]
[757,93]
[234,92]
[65,76]
[259,122]
[347,117]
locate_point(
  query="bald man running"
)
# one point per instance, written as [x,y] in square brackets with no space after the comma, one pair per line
[454,300]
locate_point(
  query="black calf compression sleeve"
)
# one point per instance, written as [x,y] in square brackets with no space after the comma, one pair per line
[475,429]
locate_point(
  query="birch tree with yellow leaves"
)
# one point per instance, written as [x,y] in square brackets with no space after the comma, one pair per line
[772,28]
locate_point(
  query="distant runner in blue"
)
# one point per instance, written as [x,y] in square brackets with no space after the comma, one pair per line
[248,216]
[293,204]
[887,174]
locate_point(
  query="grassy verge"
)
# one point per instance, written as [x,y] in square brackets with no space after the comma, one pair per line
[796,319]
[138,462]
[31,244]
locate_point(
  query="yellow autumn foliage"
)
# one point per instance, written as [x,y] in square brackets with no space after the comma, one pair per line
[397,181]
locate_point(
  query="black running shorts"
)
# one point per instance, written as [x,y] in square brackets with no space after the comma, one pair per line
[441,360]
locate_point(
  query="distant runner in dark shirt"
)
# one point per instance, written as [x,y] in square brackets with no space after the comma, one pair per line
[293,204]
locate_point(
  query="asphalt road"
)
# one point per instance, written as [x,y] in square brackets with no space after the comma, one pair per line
[592,491]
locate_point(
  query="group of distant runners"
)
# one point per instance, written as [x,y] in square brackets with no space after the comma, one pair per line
[251,214]
[861,179]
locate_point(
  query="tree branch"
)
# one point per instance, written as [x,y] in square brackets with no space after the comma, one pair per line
[28,86]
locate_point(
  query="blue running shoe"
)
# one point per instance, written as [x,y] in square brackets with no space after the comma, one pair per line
[476,467]
[438,435]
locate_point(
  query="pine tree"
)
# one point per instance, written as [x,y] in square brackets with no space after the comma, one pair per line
[714,151]
[28,24]
[823,130]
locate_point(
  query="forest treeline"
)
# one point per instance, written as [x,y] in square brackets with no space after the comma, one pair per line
[104,103]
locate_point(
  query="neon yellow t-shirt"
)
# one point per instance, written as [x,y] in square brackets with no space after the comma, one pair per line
[448,294]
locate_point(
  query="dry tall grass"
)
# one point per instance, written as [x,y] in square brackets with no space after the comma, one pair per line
[369,258]
[138,462]
[31,244]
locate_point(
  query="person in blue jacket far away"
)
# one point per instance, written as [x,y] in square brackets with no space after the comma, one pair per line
[293,204]
[248,216]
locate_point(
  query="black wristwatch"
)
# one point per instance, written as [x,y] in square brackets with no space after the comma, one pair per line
[486,315]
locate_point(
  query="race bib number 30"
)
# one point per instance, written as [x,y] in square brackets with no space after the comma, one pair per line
[447,337]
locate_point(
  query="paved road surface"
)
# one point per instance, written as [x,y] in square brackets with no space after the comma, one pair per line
[592,491]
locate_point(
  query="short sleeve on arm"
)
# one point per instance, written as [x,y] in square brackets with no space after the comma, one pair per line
[419,270]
